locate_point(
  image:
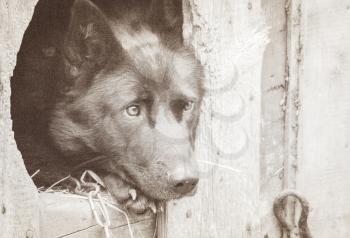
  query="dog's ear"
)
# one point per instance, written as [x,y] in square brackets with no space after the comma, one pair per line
[89,39]
[173,14]
[168,16]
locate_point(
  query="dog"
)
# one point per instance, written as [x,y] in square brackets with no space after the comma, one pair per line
[128,98]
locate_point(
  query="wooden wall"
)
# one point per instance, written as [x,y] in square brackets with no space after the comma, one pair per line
[19,214]
[305,110]
[273,90]
[323,155]
[316,106]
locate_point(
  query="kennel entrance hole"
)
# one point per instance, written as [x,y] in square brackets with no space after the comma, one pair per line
[34,87]
[33,94]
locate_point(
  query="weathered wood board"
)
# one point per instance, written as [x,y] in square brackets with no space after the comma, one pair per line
[68,215]
[273,113]
[19,214]
[324,130]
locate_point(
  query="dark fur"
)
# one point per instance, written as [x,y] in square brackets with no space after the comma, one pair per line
[116,54]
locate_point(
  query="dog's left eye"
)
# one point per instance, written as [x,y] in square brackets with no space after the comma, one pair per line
[133,110]
[188,106]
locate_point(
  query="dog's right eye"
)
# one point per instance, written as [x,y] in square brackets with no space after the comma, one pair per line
[133,110]
[188,106]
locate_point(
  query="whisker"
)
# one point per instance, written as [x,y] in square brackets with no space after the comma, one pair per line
[220,166]
[36,172]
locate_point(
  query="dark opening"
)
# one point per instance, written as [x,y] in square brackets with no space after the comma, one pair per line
[39,79]
[34,87]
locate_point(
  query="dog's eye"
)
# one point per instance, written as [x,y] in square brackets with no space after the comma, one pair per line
[133,110]
[188,106]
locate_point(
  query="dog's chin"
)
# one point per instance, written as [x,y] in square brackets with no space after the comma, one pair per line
[192,193]
[165,195]
[160,195]
[155,190]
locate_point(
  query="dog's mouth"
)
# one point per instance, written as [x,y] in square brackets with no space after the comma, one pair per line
[162,183]
[166,195]
[156,185]
[166,191]
[159,188]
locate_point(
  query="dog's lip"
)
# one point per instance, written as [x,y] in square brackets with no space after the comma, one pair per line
[192,192]
[189,194]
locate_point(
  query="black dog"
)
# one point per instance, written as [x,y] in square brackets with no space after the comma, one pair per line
[126,96]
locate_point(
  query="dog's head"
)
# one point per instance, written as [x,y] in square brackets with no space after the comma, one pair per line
[133,95]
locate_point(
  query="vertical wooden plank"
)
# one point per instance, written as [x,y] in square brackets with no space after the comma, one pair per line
[324,137]
[229,38]
[292,103]
[273,112]
[19,215]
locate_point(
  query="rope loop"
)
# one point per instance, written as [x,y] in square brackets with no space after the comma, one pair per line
[293,231]
[105,224]
[90,189]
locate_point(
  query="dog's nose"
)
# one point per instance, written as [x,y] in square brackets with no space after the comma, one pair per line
[184,179]
[185,186]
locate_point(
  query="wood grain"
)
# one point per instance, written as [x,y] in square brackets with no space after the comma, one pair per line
[65,215]
[274,72]
[324,138]
[19,213]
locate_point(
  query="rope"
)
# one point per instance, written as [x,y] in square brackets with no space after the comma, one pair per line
[92,192]
[96,192]
[106,223]
[292,231]
[108,204]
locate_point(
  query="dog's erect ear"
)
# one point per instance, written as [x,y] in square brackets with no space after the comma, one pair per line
[173,13]
[167,14]
[89,39]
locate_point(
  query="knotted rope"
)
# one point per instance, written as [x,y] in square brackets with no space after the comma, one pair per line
[301,230]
